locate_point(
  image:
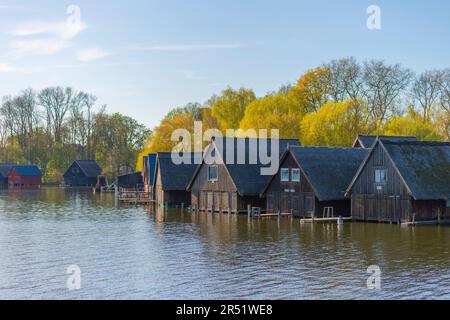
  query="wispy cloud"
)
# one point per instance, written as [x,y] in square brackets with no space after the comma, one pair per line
[7,6]
[37,47]
[43,38]
[186,47]
[62,30]
[5,68]
[91,54]
[192,75]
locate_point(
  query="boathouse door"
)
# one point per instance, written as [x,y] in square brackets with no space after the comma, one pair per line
[309,206]
[210,201]
[295,205]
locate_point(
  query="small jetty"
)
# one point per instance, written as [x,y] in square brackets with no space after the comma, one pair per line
[338,220]
[133,196]
[257,213]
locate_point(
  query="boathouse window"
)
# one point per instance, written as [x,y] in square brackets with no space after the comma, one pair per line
[213,173]
[75,170]
[285,175]
[380,176]
[296,175]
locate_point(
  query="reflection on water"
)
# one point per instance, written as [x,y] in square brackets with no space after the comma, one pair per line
[136,253]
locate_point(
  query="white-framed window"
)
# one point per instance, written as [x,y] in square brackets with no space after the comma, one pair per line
[296,175]
[213,173]
[284,173]
[380,176]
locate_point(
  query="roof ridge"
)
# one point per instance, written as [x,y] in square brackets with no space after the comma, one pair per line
[320,147]
[417,143]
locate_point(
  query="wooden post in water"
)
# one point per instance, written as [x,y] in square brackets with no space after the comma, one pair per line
[340,221]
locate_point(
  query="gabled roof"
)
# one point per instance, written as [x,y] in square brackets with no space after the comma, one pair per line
[424,167]
[27,170]
[368,141]
[175,177]
[5,168]
[90,168]
[328,170]
[246,176]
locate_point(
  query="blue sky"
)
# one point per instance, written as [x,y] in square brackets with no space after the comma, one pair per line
[143,58]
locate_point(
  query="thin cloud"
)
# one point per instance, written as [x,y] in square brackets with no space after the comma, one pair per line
[192,75]
[5,68]
[91,54]
[62,30]
[55,36]
[37,47]
[187,47]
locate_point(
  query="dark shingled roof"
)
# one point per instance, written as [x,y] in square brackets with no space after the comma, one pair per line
[368,141]
[175,177]
[5,168]
[90,168]
[28,171]
[247,177]
[329,170]
[424,166]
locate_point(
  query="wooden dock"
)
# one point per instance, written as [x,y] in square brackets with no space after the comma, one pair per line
[134,197]
[426,222]
[256,213]
[338,220]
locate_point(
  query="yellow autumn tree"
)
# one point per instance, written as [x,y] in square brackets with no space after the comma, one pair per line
[335,124]
[144,152]
[180,118]
[275,111]
[412,123]
[313,89]
[229,107]
[442,124]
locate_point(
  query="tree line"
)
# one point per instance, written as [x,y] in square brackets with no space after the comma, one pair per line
[328,106]
[55,126]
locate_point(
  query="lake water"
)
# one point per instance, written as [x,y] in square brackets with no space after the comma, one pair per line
[134,253]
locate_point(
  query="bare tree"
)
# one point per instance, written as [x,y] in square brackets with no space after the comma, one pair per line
[444,90]
[8,113]
[57,102]
[89,101]
[384,85]
[346,81]
[426,90]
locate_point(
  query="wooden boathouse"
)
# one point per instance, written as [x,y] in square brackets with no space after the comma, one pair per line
[401,182]
[312,181]
[132,180]
[366,142]
[82,173]
[24,177]
[171,179]
[233,181]
[5,169]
